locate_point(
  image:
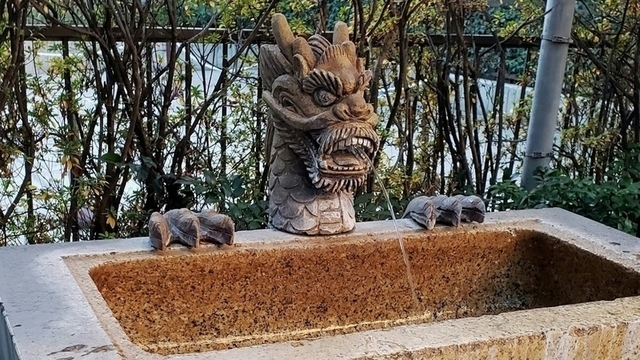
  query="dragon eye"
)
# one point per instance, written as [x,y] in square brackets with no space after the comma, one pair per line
[324,97]
[287,104]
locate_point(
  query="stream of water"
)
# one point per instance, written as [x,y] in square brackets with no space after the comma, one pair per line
[405,257]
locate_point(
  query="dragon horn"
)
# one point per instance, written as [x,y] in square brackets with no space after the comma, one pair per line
[304,59]
[284,36]
[340,33]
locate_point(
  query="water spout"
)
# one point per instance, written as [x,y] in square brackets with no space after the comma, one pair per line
[405,257]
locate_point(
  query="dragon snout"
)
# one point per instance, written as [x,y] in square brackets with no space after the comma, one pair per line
[357,106]
[353,107]
[360,111]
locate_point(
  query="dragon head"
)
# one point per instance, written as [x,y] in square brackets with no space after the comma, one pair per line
[315,91]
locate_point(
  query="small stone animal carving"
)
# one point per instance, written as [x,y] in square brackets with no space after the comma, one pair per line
[189,228]
[323,139]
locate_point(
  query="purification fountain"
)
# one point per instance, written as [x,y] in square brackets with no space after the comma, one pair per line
[324,138]
[534,284]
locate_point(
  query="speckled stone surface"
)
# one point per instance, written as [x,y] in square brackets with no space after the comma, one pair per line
[525,285]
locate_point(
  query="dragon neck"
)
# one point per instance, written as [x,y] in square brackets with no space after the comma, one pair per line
[298,207]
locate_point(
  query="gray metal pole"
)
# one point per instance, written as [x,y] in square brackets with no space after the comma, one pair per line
[556,36]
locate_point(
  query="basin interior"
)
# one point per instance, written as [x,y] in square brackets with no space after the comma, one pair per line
[245,296]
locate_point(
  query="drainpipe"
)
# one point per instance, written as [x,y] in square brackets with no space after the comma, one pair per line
[556,36]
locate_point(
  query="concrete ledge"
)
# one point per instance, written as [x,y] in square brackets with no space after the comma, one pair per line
[52,318]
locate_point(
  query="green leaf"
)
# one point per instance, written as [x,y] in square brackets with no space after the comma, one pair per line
[237,189]
[200,189]
[363,199]
[148,162]
[187,180]
[111,158]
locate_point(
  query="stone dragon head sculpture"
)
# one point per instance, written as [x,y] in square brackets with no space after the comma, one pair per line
[324,129]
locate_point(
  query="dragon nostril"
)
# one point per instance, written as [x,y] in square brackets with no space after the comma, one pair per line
[357,105]
[360,111]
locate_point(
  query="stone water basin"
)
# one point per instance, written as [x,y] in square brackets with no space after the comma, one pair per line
[525,285]
[240,297]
